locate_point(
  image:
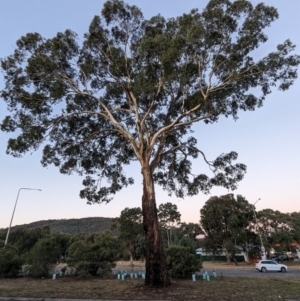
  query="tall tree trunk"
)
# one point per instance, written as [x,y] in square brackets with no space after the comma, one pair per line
[234,258]
[156,272]
[227,254]
[131,256]
[168,236]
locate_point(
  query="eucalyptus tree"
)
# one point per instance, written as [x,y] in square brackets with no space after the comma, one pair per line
[168,217]
[132,91]
[129,226]
[276,227]
[225,221]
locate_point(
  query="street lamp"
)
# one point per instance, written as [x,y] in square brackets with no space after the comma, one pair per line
[263,256]
[14,212]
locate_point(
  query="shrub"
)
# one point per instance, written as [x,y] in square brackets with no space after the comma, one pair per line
[42,257]
[188,242]
[10,262]
[181,263]
[97,254]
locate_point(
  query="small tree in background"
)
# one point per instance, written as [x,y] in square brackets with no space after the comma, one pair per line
[42,257]
[187,235]
[276,228]
[63,241]
[225,221]
[130,227]
[169,217]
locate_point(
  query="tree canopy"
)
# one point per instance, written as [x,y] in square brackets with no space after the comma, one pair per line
[130,228]
[136,85]
[277,227]
[169,217]
[225,222]
[132,90]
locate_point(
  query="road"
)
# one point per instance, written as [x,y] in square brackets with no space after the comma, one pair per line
[252,272]
[240,271]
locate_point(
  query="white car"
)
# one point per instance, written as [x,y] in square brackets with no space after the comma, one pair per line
[270,265]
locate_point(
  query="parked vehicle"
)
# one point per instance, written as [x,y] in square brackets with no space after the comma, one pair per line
[275,255]
[270,265]
[281,258]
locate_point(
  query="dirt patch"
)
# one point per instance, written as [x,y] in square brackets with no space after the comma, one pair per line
[226,288]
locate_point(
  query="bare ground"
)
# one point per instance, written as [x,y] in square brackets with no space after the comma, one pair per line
[221,288]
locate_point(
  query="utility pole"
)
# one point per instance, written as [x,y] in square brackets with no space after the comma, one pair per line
[7,235]
[262,248]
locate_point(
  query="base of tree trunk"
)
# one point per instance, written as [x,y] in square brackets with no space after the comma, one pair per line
[156,269]
[156,276]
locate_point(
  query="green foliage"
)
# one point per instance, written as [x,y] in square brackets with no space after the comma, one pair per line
[226,221]
[140,247]
[188,242]
[254,252]
[295,225]
[41,258]
[63,241]
[278,228]
[97,253]
[169,217]
[181,263]
[25,239]
[10,262]
[130,228]
[192,230]
[3,234]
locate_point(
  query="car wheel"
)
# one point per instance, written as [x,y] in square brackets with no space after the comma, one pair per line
[263,269]
[283,270]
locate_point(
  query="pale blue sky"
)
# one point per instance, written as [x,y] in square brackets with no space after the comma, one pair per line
[267,140]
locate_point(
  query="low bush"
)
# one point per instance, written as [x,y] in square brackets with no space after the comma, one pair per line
[10,262]
[95,255]
[181,263]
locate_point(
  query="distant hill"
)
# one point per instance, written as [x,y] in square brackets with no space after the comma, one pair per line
[73,226]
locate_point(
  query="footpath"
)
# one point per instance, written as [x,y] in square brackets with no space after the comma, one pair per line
[51,299]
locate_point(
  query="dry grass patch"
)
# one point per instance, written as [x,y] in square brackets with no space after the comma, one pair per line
[227,288]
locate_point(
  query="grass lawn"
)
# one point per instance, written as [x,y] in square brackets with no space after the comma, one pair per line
[226,288]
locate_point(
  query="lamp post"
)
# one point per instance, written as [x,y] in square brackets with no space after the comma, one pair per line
[14,212]
[262,248]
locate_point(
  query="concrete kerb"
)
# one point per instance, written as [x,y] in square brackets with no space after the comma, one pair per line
[58,299]
[54,299]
